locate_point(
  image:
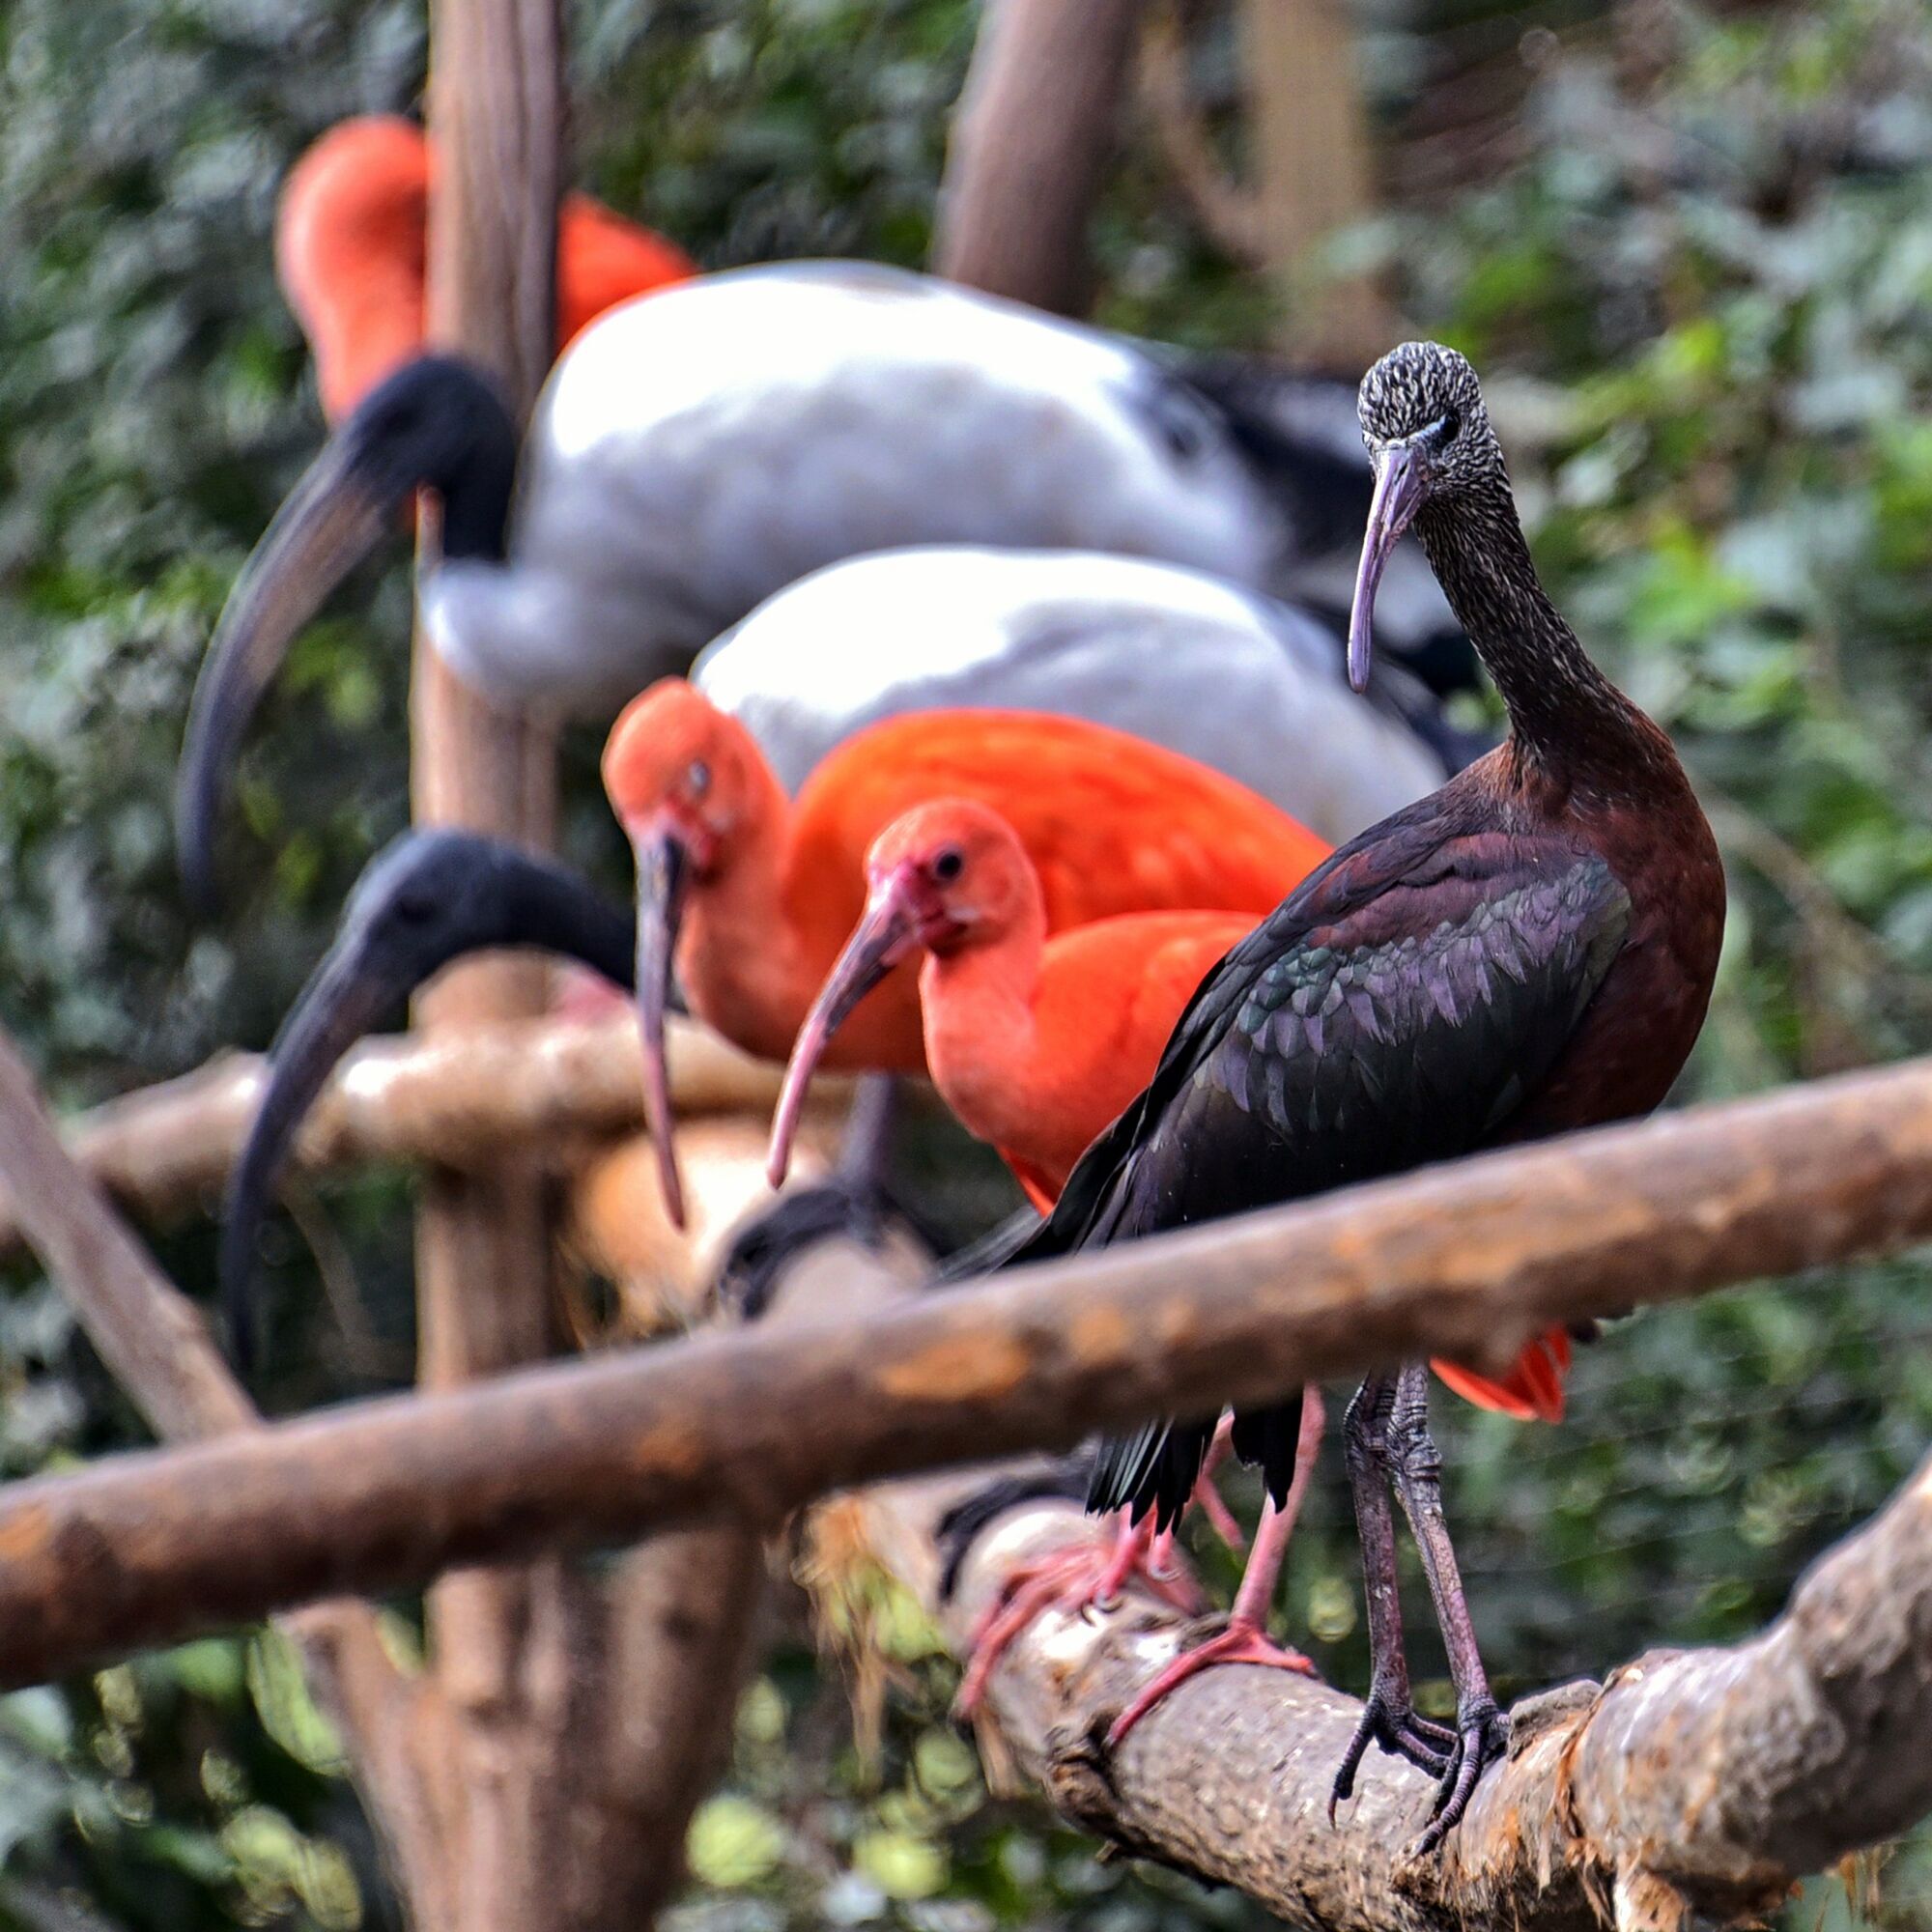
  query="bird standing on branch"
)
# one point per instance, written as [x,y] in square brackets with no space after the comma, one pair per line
[751,895]
[352,250]
[1528,951]
[696,452]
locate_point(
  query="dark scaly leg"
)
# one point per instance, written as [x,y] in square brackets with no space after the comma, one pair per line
[1482,1731]
[1245,1638]
[1389,1717]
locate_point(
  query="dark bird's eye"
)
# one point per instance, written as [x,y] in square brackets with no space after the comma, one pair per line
[948,864]
[1452,424]
[698,777]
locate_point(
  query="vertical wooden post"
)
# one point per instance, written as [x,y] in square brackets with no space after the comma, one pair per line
[502,1643]
[1031,140]
[1313,170]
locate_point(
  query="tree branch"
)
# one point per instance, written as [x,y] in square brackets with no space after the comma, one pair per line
[536,1090]
[155,1346]
[1701,1782]
[1031,141]
[1463,1260]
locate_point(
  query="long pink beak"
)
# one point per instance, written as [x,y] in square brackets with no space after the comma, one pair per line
[888,933]
[1400,487]
[664,873]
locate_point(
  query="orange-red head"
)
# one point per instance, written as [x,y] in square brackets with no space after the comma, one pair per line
[686,782]
[945,875]
[351,241]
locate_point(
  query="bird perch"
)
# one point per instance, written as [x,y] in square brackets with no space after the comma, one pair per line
[1697,1783]
[1462,1261]
[531,1090]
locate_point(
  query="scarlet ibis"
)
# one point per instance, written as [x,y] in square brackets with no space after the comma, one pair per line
[752,895]
[696,452]
[352,249]
[427,899]
[1035,1043]
[1529,950]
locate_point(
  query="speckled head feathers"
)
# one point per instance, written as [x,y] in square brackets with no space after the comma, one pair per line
[1426,395]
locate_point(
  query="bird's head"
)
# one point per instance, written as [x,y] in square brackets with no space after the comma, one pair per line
[948,874]
[1429,438]
[428,899]
[677,768]
[692,791]
[941,877]
[362,187]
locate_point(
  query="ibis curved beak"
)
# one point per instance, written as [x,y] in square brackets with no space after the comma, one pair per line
[331,522]
[664,881]
[1401,484]
[427,899]
[343,1001]
[890,929]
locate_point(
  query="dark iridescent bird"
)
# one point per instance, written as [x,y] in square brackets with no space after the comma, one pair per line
[1529,950]
[426,898]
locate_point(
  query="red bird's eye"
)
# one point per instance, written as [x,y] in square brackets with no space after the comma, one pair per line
[948,865]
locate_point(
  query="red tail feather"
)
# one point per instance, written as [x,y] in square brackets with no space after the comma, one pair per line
[1533,1389]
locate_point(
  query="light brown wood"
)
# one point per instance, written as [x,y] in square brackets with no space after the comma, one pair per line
[1037,125]
[154,1345]
[1313,171]
[542,1093]
[1462,1260]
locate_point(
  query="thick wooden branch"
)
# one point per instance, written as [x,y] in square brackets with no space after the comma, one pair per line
[1034,130]
[1463,1259]
[1697,1784]
[528,1091]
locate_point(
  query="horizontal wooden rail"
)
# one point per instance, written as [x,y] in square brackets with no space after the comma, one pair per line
[1463,1260]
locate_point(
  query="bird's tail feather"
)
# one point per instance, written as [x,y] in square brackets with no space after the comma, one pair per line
[1155,1469]
[1533,1389]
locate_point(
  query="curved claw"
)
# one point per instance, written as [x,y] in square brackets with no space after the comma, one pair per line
[1482,1738]
[1402,1732]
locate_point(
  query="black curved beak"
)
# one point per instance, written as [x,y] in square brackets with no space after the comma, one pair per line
[329,524]
[1401,484]
[663,879]
[428,899]
[347,995]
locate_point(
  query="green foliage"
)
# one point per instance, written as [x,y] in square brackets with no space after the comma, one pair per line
[1700,294]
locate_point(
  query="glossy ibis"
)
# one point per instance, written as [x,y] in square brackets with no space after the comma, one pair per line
[694,452]
[1529,950]
[751,895]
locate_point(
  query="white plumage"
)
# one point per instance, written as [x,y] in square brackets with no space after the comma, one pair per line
[701,447]
[1248,686]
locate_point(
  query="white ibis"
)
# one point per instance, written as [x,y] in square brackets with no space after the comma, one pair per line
[701,447]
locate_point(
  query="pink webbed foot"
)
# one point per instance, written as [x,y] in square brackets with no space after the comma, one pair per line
[1071,1580]
[1241,1642]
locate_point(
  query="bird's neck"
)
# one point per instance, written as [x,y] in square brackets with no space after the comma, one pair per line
[741,956]
[476,504]
[980,1007]
[1567,720]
